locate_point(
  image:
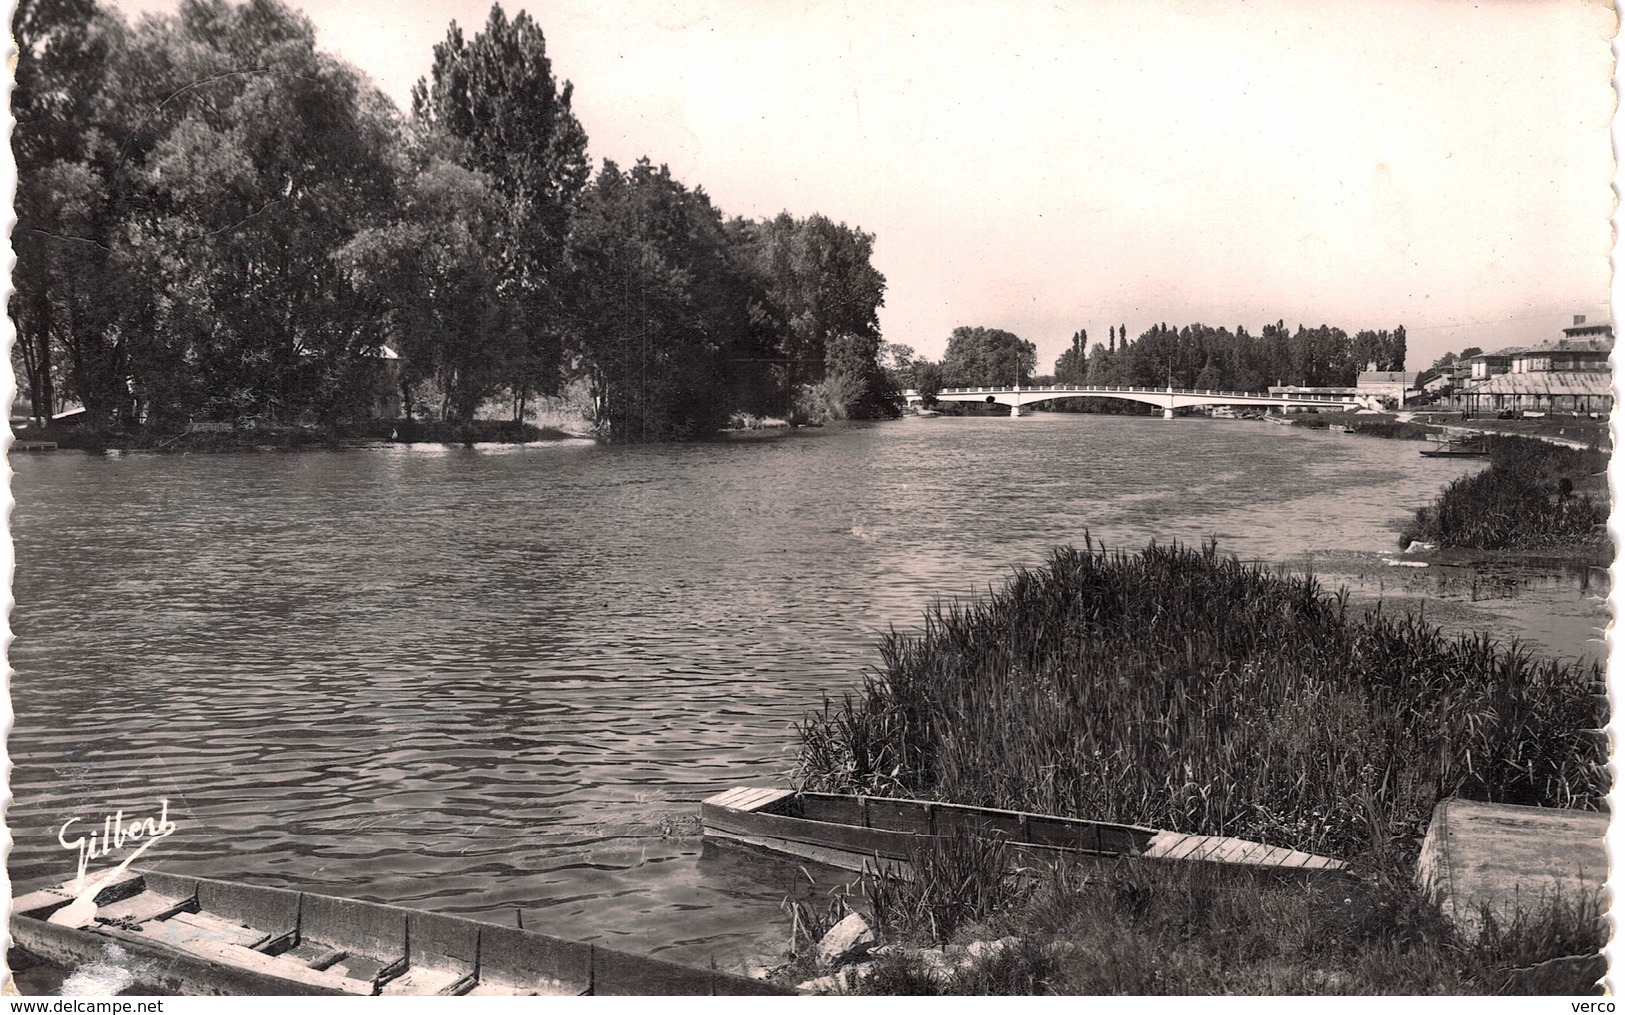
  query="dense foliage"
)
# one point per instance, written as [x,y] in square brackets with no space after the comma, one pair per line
[216,221]
[1216,359]
[1533,496]
[1181,689]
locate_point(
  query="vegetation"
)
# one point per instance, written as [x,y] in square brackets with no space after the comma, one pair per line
[1193,357]
[1178,688]
[978,357]
[218,222]
[1534,495]
[1145,928]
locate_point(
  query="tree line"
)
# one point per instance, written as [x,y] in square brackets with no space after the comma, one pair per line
[1195,356]
[218,221]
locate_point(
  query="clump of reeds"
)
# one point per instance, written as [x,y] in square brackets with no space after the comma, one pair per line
[1393,429]
[951,881]
[1531,497]
[1179,688]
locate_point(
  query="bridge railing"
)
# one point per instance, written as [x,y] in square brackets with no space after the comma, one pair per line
[1101,389]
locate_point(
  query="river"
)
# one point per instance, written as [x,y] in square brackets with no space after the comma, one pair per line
[497,679]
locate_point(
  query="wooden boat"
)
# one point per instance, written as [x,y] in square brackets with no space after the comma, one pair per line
[201,936]
[1456,451]
[857,832]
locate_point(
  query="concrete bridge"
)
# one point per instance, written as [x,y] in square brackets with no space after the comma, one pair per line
[1168,398]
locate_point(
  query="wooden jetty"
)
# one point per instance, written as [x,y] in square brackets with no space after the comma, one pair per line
[857,832]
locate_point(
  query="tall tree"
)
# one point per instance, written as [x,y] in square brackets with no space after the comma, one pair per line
[61,64]
[495,98]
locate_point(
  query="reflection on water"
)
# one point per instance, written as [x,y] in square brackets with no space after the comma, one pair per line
[496,679]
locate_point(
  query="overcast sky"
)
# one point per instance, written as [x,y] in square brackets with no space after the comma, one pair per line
[1044,167]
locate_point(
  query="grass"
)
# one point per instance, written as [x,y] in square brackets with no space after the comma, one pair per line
[1177,688]
[1146,928]
[1180,689]
[1534,495]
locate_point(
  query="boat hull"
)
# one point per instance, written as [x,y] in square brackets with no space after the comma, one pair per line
[870,833]
[198,936]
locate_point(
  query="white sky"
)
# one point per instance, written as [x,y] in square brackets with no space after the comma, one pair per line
[1042,167]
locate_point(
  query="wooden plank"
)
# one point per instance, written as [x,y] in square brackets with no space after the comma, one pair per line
[748,797]
[762,799]
[744,800]
[864,841]
[978,821]
[826,855]
[899,816]
[358,927]
[726,797]
[421,981]
[513,958]
[238,957]
[221,929]
[272,909]
[141,908]
[1504,858]
[438,940]
[1180,848]
[40,903]
[836,810]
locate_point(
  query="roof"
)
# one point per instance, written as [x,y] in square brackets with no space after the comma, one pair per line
[1406,377]
[1594,343]
[1548,382]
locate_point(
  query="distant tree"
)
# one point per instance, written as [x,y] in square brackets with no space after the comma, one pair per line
[928,379]
[433,279]
[1471,351]
[987,356]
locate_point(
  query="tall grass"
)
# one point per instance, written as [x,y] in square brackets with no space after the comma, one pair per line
[1147,928]
[1519,502]
[1181,689]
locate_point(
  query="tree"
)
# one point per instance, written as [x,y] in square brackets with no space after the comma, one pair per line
[661,301]
[505,116]
[59,78]
[1471,351]
[822,297]
[978,357]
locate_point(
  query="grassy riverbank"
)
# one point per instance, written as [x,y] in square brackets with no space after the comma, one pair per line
[1534,496]
[1179,689]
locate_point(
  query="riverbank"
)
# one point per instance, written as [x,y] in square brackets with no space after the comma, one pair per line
[1176,688]
[1535,496]
[207,438]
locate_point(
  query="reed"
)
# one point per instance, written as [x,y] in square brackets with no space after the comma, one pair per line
[1533,496]
[1178,688]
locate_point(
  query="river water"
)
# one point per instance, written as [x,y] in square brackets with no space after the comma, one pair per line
[500,679]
